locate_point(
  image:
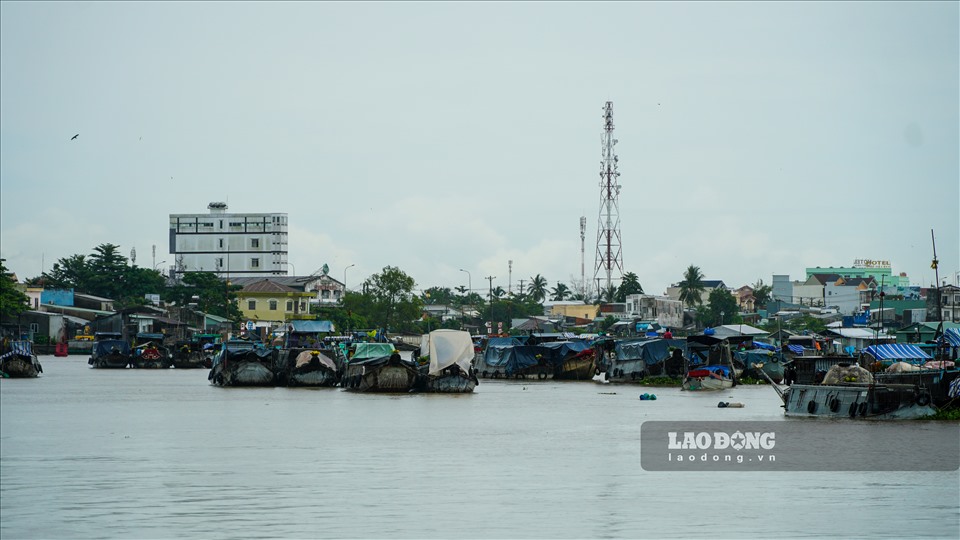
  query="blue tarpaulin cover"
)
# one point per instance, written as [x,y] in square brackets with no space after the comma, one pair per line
[764,346]
[651,351]
[516,357]
[311,327]
[897,351]
[103,347]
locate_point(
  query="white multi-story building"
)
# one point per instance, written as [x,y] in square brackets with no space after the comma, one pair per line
[232,245]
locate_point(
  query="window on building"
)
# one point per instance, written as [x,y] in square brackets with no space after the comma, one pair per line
[289,305]
[303,307]
[255,242]
[219,262]
[34,327]
[325,294]
[273,305]
[252,305]
[254,263]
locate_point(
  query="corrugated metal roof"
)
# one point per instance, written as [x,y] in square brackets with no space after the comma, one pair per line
[267,286]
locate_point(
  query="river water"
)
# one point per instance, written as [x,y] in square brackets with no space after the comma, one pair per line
[90,453]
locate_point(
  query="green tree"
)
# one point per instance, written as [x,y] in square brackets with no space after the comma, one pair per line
[67,273]
[629,285]
[498,292]
[393,300]
[609,294]
[12,301]
[438,296]
[606,323]
[560,292]
[537,288]
[691,288]
[210,294]
[722,308]
[108,270]
[761,294]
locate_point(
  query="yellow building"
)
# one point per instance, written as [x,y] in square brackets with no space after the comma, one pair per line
[268,301]
[578,310]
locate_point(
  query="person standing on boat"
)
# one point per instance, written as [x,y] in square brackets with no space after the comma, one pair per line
[668,334]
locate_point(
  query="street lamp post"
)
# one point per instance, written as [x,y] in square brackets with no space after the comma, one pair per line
[345,278]
[463,316]
[469,281]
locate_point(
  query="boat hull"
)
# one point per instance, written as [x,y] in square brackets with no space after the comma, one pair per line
[242,373]
[450,384]
[19,367]
[315,377]
[857,401]
[577,369]
[386,378]
[706,383]
[112,361]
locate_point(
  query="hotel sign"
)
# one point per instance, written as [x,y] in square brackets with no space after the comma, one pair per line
[870,263]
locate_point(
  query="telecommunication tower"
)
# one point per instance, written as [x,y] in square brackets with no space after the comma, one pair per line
[609,254]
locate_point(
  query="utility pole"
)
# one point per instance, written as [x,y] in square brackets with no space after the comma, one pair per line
[521,286]
[510,277]
[490,290]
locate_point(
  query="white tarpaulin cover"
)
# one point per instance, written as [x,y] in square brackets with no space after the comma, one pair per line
[446,348]
[305,357]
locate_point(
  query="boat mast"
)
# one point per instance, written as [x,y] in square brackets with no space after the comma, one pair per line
[936,277]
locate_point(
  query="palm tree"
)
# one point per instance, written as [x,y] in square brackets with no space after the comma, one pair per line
[761,294]
[609,294]
[560,292]
[537,288]
[629,285]
[691,288]
[498,292]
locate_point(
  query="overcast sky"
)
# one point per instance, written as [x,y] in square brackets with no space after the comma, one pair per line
[754,138]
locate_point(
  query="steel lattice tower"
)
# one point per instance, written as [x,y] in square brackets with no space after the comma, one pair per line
[609,254]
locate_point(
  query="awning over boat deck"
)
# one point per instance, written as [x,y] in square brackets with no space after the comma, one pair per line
[897,351]
[952,335]
[795,349]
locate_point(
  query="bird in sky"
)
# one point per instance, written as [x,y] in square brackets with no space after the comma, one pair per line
[75,136]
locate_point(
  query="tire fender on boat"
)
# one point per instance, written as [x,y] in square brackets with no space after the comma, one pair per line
[862,409]
[923,399]
[812,407]
[834,405]
[853,409]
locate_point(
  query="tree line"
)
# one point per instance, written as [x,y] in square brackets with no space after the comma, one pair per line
[387,299]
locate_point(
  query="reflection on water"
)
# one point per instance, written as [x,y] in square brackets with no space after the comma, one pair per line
[160,454]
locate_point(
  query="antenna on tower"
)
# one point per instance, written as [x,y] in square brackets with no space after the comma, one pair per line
[583,251]
[609,254]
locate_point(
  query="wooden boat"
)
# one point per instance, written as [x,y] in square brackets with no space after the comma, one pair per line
[18,361]
[110,351]
[850,391]
[310,367]
[243,363]
[195,353]
[710,364]
[571,360]
[630,360]
[510,358]
[447,366]
[149,352]
[378,367]
[305,359]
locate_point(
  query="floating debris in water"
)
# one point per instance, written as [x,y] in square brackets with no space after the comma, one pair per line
[648,397]
[727,404]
